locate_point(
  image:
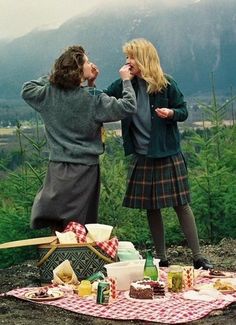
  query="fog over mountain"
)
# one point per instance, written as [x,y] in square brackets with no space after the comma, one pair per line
[193,39]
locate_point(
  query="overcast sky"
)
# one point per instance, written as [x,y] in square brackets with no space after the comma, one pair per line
[18,17]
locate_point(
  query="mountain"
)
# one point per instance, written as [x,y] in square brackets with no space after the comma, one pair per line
[193,40]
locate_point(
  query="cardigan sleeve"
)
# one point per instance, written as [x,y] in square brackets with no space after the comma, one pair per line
[115,89]
[177,102]
[108,108]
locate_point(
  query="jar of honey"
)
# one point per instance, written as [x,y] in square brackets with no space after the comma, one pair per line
[84,288]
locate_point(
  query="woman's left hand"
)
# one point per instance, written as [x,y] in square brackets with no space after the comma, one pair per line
[164,112]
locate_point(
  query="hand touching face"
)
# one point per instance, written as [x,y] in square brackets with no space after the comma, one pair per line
[133,67]
[125,72]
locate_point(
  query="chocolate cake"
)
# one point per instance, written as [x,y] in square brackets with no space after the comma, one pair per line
[146,289]
[158,288]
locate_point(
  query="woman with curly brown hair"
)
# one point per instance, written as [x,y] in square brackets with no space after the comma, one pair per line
[73,115]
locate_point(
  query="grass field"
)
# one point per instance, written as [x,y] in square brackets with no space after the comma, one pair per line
[8,137]
[7,131]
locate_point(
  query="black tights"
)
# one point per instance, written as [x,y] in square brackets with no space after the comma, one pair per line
[188,225]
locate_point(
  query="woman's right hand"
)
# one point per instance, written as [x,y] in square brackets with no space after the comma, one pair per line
[94,74]
[125,72]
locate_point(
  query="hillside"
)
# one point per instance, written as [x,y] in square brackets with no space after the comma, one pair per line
[193,40]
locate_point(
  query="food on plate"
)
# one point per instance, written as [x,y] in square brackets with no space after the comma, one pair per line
[41,293]
[44,294]
[216,273]
[158,288]
[224,286]
[146,289]
[139,290]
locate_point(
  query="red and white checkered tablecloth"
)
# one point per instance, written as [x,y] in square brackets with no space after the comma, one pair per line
[172,310]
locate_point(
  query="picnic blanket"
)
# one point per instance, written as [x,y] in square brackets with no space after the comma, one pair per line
[173,309]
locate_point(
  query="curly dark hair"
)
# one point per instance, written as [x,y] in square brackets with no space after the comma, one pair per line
[67,72]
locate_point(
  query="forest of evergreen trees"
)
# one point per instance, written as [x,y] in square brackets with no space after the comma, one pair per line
[210,154]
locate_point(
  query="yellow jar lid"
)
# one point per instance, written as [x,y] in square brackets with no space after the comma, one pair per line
[176,268]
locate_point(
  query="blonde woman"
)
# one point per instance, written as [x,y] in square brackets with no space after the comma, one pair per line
[158,178]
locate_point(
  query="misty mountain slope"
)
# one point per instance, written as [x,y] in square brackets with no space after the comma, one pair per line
[192,40]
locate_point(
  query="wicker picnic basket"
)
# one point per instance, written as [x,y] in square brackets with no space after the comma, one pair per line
[86,259]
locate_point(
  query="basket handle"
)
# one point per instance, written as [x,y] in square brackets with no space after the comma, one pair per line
[54,247]
[46,256]
[107,259]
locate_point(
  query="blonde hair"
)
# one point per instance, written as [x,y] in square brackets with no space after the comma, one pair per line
[148,62]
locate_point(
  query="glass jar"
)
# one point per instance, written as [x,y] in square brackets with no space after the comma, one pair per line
[175,278]
[84,288]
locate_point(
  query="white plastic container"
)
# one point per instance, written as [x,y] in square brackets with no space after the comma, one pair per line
[127,255]
[127,251]
[126,272]
[126,245]
[98,231]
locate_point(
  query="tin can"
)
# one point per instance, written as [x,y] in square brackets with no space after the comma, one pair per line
[103,293]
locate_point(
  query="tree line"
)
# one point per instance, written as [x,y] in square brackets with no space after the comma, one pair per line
[210,154]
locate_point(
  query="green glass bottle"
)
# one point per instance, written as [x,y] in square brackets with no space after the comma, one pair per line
[150,269]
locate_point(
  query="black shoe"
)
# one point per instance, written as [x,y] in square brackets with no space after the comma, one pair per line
[202,263]
[163,263]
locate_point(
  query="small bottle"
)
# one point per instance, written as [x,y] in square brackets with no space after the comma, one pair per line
[150,269]
[96,276]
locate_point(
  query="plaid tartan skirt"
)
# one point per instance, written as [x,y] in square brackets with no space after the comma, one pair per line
[156,183]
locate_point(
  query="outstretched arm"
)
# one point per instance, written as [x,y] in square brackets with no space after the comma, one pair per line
[110,109]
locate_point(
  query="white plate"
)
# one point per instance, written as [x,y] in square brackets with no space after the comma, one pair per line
[210,286]
[55,294]
[155,299]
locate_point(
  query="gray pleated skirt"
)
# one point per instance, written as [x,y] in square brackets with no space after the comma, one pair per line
[70,193]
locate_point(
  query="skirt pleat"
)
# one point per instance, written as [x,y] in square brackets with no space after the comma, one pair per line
[157,183]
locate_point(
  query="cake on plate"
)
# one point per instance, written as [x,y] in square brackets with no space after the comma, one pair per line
[146,289]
